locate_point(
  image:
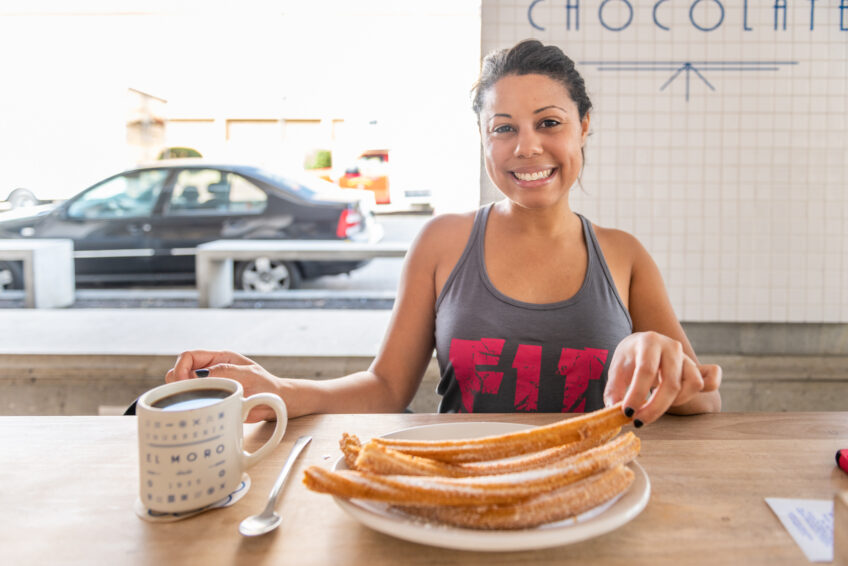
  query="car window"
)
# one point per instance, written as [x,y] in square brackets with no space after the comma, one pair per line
[210,191]
[125,196]
[304,186]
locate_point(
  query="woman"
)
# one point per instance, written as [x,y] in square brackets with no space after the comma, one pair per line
[529,306]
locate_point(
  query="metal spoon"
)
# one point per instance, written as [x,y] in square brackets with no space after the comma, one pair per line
[268,520]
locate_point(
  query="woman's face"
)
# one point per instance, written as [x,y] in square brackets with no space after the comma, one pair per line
[532,139]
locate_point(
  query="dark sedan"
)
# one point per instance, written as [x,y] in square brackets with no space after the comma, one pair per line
[142,225]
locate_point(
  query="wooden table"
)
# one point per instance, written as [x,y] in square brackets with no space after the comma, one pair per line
[67,487]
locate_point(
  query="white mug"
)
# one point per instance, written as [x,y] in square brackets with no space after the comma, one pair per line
[190,442]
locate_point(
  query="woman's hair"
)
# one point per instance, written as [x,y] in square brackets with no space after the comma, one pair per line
[531,57]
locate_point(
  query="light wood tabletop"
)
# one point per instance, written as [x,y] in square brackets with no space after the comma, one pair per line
[68,484]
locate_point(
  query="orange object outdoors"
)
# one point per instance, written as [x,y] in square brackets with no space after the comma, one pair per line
[370,173]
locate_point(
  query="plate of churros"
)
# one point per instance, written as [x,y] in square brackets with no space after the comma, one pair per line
[492,486]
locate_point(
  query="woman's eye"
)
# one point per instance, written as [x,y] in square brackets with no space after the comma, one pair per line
[504,129]
[549,123]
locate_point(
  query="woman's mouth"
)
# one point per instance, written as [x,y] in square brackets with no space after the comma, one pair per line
[539,175]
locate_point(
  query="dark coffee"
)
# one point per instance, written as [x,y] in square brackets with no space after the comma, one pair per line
[195,399]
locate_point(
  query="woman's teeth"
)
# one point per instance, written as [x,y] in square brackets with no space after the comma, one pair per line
[533,176]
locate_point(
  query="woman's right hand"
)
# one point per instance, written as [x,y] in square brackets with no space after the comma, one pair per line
[651,373]
[253,377]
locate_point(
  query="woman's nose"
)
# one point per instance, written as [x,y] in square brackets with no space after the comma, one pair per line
[528,143]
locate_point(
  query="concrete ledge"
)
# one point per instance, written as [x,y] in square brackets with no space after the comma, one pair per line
[782,383]
[57,362]
[214,261]
[48,270]
[294,332]
[768,338]
[82,384]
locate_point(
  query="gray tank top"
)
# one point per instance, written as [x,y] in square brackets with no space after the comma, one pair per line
[497,354]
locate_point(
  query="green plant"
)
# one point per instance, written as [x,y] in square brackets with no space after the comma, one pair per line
[178,153]
[319,159]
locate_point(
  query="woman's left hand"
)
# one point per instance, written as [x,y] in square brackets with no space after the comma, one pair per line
[650,373]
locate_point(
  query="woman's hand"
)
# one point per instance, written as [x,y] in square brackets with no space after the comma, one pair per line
[651,373]
[253,377]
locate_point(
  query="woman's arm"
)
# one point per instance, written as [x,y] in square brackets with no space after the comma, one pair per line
[393,378]
[407,348]
[657,362]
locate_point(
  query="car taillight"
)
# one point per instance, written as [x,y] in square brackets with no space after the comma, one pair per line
[349,222]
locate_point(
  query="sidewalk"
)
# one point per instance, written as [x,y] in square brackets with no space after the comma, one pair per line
[168,331]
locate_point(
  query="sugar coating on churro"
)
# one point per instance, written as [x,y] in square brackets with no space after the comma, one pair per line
[350,447]
[558,505]
[514,443]
[516,480]
[383,460]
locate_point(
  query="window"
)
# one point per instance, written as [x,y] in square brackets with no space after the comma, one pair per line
[125,196]
[209,191]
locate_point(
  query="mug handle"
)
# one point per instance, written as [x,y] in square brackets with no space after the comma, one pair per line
[276,403]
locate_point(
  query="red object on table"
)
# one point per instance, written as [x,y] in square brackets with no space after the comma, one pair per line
[842,459]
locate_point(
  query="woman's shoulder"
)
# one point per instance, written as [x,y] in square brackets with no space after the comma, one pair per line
[619,247]
[441,241]
[615,237]
[446,230]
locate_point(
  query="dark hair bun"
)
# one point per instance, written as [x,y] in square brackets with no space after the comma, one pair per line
[531,57]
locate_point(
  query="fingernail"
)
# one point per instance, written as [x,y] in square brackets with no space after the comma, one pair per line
[628,411]
[201,372]
[637,423]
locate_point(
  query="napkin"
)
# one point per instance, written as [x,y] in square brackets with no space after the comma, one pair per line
[810,522]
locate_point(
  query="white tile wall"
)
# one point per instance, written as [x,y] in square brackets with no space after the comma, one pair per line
[740,192]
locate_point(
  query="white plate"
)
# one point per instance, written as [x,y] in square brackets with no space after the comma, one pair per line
[592,523]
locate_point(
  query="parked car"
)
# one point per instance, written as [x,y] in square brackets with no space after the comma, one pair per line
[142,225]
[19,198]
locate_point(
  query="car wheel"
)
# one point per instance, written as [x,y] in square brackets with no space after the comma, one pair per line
[266,275]
[11,276]
[22,197]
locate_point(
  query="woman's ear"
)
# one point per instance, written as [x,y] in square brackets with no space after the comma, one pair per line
[584,127]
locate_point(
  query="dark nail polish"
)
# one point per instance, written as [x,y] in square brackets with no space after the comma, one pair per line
[628,412]
[201,372]
[637,423]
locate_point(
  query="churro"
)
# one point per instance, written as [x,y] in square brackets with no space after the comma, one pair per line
[514,443]
[379,459]
[350,447]
[508,488]
[558,505]
[508,481]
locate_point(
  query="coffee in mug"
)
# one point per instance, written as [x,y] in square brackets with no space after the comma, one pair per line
[190,437]
[191,399]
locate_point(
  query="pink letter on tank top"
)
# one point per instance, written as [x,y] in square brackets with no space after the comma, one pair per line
[465,356]
[578,367]
[528,368]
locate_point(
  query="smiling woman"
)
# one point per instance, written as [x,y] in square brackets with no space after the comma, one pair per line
[530,306]
[533,148]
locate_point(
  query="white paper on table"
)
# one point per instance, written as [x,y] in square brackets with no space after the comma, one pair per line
[810,522]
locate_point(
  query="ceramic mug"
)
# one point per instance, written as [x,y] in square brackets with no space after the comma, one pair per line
[190,442]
